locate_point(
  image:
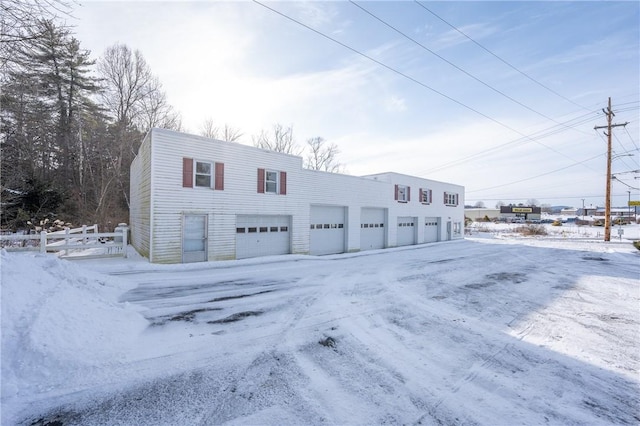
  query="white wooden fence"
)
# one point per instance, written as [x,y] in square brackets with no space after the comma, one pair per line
[81,242]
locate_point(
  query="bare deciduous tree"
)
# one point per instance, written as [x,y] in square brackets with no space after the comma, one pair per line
[155,111]
[226,133]
[128,81]
[280,140]
[322,156]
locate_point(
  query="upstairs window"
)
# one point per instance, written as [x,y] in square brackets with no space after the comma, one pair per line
[450,199]
[402,193]
[426,196]
[202,174]
[272,182]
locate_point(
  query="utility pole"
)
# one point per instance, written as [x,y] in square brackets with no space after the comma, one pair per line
[607,203]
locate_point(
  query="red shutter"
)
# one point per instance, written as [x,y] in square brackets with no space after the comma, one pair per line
[395,197]
[408,193]
[187,172]
[420,198]
[430,197]
[219,182]
[283,183]
[445,198]
[261,181]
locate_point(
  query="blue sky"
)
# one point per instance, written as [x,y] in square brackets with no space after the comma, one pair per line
[419,98]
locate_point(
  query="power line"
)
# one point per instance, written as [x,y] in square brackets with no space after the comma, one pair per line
[516,142]
[498,57]
[388,67]
[451,63]
[535,177]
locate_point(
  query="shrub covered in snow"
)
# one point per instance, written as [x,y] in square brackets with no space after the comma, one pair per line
[531,230]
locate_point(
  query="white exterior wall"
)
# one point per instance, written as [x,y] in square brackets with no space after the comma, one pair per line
[414,208]
[159,163]
[344,190]
[239,196]
[140,199]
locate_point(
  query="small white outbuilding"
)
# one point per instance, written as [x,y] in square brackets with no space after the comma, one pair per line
[198,199]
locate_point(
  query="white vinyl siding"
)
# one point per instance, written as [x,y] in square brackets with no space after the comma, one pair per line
[140,211]
[160,200]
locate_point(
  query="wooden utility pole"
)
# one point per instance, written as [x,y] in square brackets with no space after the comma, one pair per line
[607,203]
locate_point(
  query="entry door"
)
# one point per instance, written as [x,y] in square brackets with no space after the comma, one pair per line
[194,238]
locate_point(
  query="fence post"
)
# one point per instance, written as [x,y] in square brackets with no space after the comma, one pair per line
[84,234]
[43,241]
[66,241]
[124,242]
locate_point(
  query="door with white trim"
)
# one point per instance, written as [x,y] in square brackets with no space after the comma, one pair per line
[194,238]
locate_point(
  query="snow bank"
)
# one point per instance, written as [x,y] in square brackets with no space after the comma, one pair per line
[59,323]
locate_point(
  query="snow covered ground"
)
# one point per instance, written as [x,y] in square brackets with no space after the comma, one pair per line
[494,329]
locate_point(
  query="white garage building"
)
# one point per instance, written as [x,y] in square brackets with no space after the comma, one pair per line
[197,199]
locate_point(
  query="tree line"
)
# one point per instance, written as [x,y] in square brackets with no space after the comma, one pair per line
[70,125]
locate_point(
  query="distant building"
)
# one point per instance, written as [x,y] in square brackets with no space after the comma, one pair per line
[520,213]
[475,213]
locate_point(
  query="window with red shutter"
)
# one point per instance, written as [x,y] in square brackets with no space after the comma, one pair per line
[187,172]
[219,177]
[261,181]
[283,183]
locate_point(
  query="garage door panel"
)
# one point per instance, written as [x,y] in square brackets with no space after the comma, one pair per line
[406,231]
[262,235]
[327,230]
[431,229]
[372,228]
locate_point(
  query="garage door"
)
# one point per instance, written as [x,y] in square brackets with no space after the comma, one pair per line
[372,228]
[431,229]
[406,231]
[262,235]
[327,233]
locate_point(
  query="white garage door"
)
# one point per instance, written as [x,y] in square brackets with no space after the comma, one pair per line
[406,231]
[431,229]
[262,235]
[372,228]
[327,234]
